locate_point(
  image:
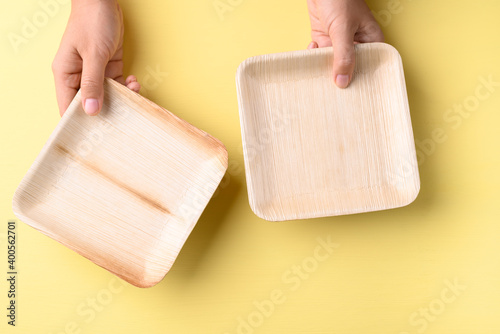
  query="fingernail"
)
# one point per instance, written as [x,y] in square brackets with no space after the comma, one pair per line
[342,80]
[312,45]
[91,106]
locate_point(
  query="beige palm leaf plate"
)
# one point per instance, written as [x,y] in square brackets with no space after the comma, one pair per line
[312,149]
[124,188]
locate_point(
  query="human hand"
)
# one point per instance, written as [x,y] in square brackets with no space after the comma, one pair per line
[341,24]
[90,49]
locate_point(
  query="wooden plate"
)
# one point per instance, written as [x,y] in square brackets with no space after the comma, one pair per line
[124,188]
[312,149]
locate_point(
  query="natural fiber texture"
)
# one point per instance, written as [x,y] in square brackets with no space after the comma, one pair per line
[312,149]
[124,188]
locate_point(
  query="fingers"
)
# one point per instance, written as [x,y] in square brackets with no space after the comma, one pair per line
[369,32]
[66,83]
[321,39]
[343,55]
[132,83]
[92,82]
[114,70]
[64,92]
[312,45]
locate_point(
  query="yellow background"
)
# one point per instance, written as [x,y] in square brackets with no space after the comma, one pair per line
[389,265]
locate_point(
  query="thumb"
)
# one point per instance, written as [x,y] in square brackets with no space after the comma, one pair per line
[92,83]
[343,55]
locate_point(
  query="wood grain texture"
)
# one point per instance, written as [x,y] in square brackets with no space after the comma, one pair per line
[312,149]
[124,188]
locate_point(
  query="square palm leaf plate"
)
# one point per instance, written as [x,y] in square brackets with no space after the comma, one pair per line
[314,150]
[124,188]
